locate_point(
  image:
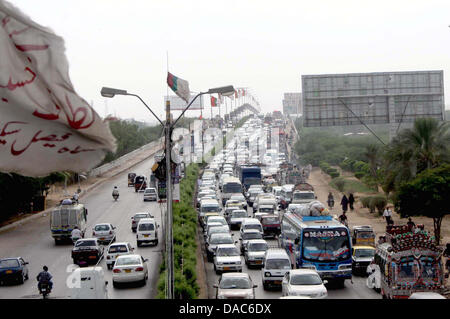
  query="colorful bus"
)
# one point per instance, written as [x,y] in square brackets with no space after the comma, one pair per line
[318,242]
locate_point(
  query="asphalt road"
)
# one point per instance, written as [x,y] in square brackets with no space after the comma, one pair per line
[34,243]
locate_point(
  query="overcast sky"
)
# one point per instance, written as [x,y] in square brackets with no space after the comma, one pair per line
[263,45]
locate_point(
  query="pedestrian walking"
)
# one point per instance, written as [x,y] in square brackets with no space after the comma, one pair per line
[387,214]
[351,200]
[330,200]
[344,203]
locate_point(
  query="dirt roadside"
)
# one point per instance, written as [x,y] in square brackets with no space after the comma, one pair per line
[361,216]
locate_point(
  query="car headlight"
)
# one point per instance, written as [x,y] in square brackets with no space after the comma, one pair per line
[267,274]
[323,293]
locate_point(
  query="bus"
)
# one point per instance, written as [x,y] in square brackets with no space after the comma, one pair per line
[231,185]
[318,242]
[406,261]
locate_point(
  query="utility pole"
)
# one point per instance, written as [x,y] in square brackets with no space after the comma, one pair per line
[169,217]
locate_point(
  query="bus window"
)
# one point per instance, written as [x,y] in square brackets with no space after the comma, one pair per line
[317,248]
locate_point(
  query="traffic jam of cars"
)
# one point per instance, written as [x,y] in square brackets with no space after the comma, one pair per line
[257,211]
[68,226]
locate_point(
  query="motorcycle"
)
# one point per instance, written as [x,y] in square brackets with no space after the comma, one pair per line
[44,290]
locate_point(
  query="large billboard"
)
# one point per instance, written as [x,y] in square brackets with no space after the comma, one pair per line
[292,103]
[178,104]
[374,98]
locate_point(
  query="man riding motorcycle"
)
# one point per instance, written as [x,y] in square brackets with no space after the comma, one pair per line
[115,192]
[76,234]
[44,277]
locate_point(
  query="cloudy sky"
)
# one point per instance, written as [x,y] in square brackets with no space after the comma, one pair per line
[263,45]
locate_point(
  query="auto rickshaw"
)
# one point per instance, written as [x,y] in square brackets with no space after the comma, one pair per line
[363,235]
[140,183]
[131,177]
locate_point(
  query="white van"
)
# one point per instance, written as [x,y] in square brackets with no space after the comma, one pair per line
[251,223]
[89,283]
[276,264]
[147,231]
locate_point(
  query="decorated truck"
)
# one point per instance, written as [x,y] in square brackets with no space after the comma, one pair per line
[406,261]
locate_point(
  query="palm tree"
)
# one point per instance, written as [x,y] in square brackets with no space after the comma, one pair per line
[426,145]
[372,157]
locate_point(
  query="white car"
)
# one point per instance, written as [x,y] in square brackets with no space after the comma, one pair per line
[136,218]
[130,268]
[227,257]
[303,282]
[115,250]
[150,194]
[236,218]
[247,235]
[235,285]
[255,252]
[147,232]
[105,233]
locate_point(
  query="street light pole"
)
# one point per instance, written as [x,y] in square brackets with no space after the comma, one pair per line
[169,240]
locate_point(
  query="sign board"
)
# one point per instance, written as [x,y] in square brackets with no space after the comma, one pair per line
[376,98]
[178,104]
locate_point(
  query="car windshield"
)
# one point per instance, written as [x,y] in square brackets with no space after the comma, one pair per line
[212,208]
[146,226]
[327,245]
[227,252]
[235,283]
[83,243]
[305,279]
[258,247]
[232,188]
[9,263]
[364,253]
[239,214]
[139,216]
[238,197]
[218,229]
[270,220]
[365,234]
[220,239]
[118,249]
[125,261]
[277,264]
[101,228]
[266,210]
[303,196]
[253,226]
[255,235]
[150,191]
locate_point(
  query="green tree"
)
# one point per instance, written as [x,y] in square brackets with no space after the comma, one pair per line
[425,146]
[426,195]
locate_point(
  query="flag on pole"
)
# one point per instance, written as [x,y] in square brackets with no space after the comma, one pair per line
[220,99]
[179,86]
[236,94]
[45,126]
[213,101]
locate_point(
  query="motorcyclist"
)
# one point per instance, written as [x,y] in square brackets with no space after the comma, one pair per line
[343,219]
[44,277]
[76,234]
[115,192]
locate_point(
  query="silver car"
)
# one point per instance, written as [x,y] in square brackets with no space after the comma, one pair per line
[255,251]
[235,285]
[150,194]
[226,258]
[105,233]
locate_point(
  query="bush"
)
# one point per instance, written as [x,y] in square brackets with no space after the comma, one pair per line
[359,175]
[358,166]
[365,201]
[378,202]
[340,184]
[334,175]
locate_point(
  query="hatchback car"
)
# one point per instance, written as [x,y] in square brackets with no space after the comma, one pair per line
[255,252]
[105,233]
[137,217]
[214,240]
[130,268]
[235,285]
[236,218]
[227,257]
[13,270]
[115,250]
[303,282]
[248,235]
[150,194]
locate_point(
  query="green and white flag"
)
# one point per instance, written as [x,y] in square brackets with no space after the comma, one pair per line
[179,86]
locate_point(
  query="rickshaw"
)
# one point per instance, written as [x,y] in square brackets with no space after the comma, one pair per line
[363,235]
[131,177]
[140,183]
